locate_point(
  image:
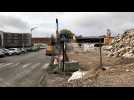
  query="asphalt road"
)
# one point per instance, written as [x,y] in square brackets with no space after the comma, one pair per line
[23,70]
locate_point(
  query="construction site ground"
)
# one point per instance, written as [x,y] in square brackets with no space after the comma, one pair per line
[119,71]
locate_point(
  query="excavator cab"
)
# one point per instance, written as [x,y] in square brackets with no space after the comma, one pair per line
[49,50]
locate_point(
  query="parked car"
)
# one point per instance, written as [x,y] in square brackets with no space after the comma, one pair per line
[4,51]
[29,49]
[16,51]
[8,52]
[2,54]
[23,50]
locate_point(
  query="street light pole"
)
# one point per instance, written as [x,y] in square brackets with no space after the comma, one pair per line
[31,37]
[31,31]
[23,40]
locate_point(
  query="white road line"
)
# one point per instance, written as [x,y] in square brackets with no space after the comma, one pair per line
[16,64]
[6,64]
[23,73]
[34,66]
[26,65]
[45,66]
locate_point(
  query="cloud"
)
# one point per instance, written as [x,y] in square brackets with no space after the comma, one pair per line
[14,24]
[85,23]
[88,23]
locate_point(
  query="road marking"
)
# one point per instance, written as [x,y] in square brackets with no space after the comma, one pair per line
[45,66]
[23,73]
[26,65]
[16,64]
[6,64]
[42,78]
[34,66]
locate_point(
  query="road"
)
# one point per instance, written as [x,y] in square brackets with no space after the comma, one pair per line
[23,70]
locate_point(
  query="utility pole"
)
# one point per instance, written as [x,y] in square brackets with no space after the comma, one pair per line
[63,52]
[57,26]
[57,45]
[100,45]
[56,42]
[57,35]
[63,56]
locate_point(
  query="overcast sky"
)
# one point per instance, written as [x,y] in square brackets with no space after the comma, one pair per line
[85,23]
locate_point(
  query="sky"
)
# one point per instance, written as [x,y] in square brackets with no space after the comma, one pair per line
[80,23]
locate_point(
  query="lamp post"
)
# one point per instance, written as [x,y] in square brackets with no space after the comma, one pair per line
[33,28]
[23,40]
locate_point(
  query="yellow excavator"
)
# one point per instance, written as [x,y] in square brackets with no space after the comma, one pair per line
[49,50]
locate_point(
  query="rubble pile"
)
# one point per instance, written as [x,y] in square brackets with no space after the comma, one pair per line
[123,45]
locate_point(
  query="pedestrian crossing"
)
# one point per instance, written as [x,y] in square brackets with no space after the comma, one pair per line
[45,66]
[26,65]
[3,65]
[23,65]
[11,72]
[25,71]
[7,64]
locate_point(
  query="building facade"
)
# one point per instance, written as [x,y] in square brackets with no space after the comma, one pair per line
[45,40]
[17,40]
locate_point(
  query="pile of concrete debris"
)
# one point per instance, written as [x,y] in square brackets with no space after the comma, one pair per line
[123,45]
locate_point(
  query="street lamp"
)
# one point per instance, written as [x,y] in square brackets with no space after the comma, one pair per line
[32,30]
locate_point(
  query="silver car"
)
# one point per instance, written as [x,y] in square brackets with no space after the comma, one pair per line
[8,52]
[16,51]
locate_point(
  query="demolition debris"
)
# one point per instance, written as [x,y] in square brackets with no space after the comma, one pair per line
[123,45]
